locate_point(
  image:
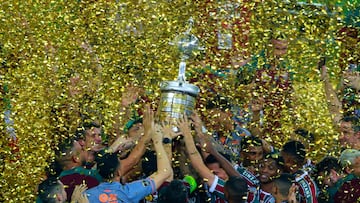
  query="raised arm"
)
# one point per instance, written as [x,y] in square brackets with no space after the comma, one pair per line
[168,136]
[334,104]
[164,169]
[201,131]
[195,157]
[128,99]
[139,150]
[225,164]
[121,143]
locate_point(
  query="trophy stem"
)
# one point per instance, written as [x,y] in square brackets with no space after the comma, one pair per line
[182,68]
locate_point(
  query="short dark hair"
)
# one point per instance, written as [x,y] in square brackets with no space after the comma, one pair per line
[279,160]
[325,166]
[148,163]
[249,141]
[328,163]
[220,102]
[236,189]
[54,168]
[48,189]
[295,149]
[63,151]
[90,124]
[107,164]
[65,146]
[355,122]
[284,182]
[210,159]
[305,134]
[175,192]
[81,130]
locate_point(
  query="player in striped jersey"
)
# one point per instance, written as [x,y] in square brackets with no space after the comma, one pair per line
[213,181]
[269,169]
[294,153]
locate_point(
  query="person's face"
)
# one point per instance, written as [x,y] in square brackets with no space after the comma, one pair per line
[221,120]
[355,167]
[268,170]
[279,47]
[328,179]
[257,103]
[136,131]
[347,136]
[290,165]
[80,153]
[324,179]
[92,137]
[351,78]
[253,153]
[217,170]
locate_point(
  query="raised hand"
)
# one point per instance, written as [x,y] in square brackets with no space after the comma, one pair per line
[148,120]
[196,120]
[130,96]
[79,195]
[184,126]
[167,130]
[292,194]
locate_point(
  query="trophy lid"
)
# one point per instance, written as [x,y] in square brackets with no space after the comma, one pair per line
[179,86]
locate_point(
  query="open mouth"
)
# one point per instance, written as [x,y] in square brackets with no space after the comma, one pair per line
[263,177]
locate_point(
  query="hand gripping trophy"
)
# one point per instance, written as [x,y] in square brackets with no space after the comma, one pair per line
[179,97]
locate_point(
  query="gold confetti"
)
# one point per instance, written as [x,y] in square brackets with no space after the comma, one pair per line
[64,59]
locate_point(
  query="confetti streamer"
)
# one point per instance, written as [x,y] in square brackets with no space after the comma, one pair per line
[68,61]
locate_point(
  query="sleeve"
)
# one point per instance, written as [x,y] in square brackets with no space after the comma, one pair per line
[348,192]
[307,189]
[137,190]
[250,178]
[215,182]
[218,187]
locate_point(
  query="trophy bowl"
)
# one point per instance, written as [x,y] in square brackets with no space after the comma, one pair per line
[177,98]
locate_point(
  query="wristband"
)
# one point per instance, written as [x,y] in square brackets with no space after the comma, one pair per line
[166,140]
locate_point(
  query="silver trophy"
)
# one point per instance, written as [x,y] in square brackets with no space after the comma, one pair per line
[179,97]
